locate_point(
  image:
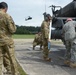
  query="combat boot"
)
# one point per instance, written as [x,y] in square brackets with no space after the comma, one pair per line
[33,48]
[41,48]
[67,62]
[47,59]
[72,65]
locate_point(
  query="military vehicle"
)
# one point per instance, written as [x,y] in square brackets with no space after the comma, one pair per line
[60,16]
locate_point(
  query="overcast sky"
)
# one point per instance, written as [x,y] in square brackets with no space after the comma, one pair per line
[21,9]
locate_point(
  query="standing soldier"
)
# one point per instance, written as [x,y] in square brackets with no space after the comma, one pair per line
[7,28]
[45,36]
[70,42]
[37,40]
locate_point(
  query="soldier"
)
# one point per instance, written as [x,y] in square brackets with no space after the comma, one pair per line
[70,42]
[7,28]
[37,41]
[45,36]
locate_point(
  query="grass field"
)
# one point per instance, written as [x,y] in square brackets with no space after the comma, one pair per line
[32,37]
[23,36]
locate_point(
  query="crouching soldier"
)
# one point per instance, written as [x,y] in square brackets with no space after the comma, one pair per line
[37,41]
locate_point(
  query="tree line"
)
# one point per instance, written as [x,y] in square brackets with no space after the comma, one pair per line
[27,29]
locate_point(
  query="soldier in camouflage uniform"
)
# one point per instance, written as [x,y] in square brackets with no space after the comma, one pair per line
[45,36]
[70,42]
[37,41]
[7,28]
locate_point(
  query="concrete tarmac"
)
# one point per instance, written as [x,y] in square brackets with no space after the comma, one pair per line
[32,61]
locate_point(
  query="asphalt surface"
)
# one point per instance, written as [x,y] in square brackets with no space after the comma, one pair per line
[33,63]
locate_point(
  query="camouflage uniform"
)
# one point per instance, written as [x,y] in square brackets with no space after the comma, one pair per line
[7,57]
[37,41]
[68,51]
[45,37]
[70,38]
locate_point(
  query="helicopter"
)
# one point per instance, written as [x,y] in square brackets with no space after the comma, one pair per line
[59,18]
[29,18]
